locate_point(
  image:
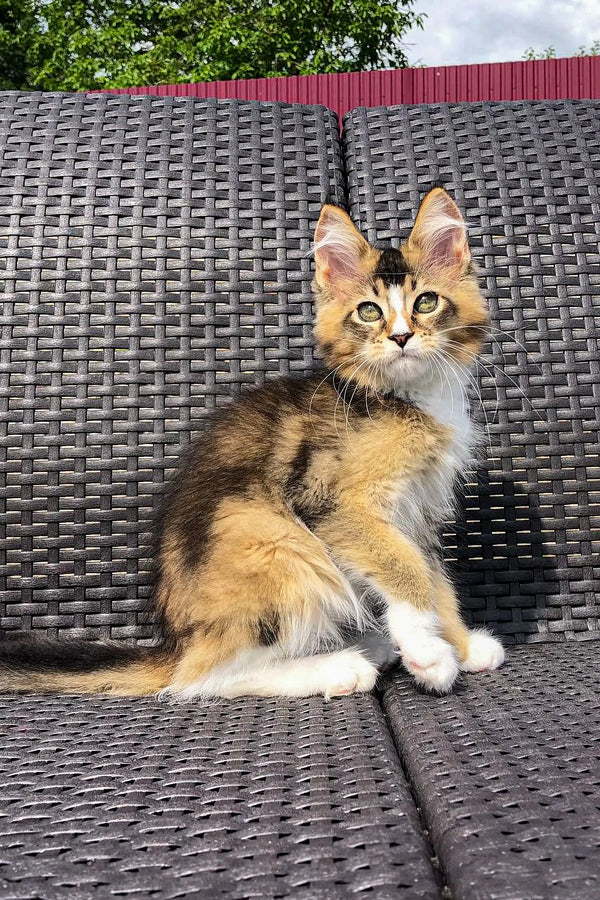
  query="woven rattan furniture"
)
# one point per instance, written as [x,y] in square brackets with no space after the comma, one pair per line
[507,769]
[153,255]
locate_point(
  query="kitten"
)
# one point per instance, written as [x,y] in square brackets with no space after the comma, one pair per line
[310,493]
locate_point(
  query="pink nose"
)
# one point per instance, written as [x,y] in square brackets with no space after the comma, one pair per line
[401,339]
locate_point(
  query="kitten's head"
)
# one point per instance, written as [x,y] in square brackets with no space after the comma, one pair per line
[391,318]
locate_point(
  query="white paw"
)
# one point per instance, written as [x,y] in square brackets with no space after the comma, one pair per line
[485,652]
[429,658]
[346,672]
[432,662]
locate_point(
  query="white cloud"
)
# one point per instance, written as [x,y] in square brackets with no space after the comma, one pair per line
[464,31]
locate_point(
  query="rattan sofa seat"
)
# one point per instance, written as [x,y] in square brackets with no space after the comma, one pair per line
[154,261]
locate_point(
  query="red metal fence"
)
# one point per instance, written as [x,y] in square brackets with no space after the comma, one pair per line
[547,79]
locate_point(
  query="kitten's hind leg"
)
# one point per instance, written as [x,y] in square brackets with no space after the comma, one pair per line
[258,673]
[267,597]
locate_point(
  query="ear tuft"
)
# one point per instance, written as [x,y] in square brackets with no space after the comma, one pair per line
[339,249]
[439,236]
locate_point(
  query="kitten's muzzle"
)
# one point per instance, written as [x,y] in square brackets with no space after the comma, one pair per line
[401,339]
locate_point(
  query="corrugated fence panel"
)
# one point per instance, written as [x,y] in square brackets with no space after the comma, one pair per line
[577,78]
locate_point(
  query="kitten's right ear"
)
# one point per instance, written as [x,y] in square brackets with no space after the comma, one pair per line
[340,249]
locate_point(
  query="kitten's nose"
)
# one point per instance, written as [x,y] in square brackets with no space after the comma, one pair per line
[401,339]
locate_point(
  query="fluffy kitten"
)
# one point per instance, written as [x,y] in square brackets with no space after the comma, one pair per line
[310,493]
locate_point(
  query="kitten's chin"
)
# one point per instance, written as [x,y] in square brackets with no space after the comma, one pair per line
[406,369]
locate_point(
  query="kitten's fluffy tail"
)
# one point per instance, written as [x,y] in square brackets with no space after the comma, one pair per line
[82,667]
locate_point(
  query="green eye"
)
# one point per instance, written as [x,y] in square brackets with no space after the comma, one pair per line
[426,303]
[369,312]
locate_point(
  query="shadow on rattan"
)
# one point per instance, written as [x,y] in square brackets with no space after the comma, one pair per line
[505,569]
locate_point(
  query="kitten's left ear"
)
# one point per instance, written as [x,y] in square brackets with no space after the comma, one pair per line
[439,236]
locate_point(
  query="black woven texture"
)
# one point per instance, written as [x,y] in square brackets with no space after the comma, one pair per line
[153,259]
[120,798]
[526,175]
[507,771]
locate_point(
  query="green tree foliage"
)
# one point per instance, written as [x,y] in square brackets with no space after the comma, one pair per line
[88,44]
[592,50]
[550,52]
[19,35]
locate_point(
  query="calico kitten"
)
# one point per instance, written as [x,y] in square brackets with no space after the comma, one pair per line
[310,493]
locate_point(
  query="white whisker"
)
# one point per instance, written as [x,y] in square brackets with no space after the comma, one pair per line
[504,373]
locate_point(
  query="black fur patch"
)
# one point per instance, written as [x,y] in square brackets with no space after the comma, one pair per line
[299,466]
[268,629]
[309,509]
[206,479]
[31,653]
[313,513]
[391,267]
[201,489]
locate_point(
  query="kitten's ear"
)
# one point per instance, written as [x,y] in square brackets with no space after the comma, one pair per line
[340,249]
[439,236]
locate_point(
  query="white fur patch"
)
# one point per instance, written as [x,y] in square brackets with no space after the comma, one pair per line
[215,682]
[259,673]
[340,241]
[428,657]
[485,652]
[431,495]
[396,301]
[436,225]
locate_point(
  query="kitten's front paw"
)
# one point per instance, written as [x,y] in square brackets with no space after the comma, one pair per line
[432,663]
[428,657]
[485,652]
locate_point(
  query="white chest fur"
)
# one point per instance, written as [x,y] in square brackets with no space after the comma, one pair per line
[425,501]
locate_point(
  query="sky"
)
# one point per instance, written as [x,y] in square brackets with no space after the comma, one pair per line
[471,31]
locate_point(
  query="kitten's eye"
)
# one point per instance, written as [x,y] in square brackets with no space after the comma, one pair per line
[369,312]
[426,303]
